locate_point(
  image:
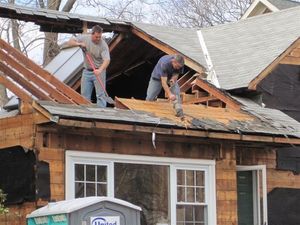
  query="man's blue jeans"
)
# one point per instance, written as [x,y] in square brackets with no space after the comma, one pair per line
[88,82]
[154,88]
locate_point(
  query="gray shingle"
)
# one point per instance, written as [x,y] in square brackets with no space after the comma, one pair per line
[241,50]
[284,4]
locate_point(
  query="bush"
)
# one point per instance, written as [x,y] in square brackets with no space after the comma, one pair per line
[3,209]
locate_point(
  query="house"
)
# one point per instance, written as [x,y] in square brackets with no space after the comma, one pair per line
[259,7]
[219,165]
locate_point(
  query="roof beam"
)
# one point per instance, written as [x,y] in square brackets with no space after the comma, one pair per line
[115,42]
[167,49]
[201,100]
[54,93]
[253,84]
[15,89]
[24,83]
[230,103]
[66,90]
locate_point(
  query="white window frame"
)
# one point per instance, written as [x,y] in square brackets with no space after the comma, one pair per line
[73,157]
[256,186]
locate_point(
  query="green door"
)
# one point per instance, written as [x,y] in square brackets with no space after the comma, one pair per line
[245,197]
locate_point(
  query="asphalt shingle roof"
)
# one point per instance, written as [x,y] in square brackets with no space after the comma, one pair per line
[284,4]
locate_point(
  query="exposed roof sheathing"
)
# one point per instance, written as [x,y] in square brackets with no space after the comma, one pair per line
[160,114]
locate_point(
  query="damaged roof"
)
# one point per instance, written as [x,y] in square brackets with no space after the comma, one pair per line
[197,117]
[239,51]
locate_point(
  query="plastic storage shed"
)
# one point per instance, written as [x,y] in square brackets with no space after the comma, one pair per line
[86,211]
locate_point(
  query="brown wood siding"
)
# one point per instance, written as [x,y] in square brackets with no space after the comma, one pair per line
[226,186]
[17,214]
[52,141]
[275,178]
[17,130]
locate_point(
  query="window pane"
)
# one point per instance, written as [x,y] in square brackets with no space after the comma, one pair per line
[200,178]
[180,214]
[101,174]
[180,177]
[90,173]
[199,214]
[90,189]
[79,189]
[180,194]
[189,213]
[190,178]
[79,172]
[200,197]
[101,190]
[190,194]
[146,186]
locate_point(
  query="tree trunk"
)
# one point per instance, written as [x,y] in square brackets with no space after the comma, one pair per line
[51,48]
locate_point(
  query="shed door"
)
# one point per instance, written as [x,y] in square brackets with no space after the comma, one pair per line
[245,197]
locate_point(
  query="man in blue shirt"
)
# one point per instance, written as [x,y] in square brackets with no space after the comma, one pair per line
[165,75]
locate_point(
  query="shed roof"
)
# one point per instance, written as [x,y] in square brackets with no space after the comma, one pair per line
[68,206]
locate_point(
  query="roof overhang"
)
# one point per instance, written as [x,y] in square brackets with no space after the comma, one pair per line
[157,117]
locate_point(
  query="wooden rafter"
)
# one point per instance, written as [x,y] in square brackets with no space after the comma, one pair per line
[52,81]
[30,76]
[287,57]
[24,83]
[230,103]
[201,100]
[188,84]
[15,89]
[290,60]
[167,49]
[115,42]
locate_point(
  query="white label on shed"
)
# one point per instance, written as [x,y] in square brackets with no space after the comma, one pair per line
[105,220]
